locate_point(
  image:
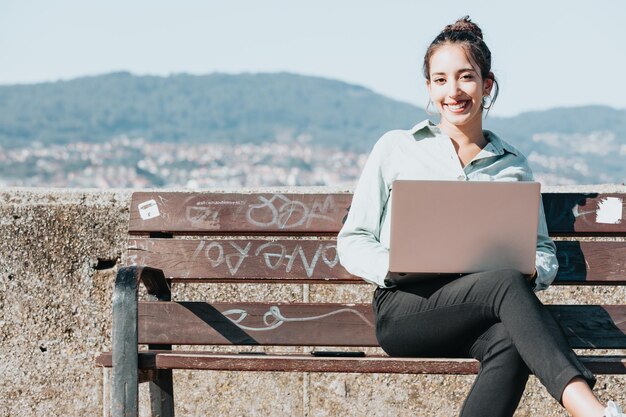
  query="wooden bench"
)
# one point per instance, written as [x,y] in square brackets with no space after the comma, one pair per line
[275,238]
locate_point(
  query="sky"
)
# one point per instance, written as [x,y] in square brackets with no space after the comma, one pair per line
[546,53]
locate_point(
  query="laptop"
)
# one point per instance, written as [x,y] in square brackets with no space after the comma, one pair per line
[447,228]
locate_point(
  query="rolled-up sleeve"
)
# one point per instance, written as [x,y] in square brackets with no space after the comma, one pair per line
[545,261]
[358,243]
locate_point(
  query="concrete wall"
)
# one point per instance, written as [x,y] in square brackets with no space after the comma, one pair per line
[55,303]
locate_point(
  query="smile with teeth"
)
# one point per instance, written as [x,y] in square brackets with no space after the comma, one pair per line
[457,106]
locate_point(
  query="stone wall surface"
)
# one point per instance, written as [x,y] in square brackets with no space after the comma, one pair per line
[59,252]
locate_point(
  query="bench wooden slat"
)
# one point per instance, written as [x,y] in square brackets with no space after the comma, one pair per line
[590,213]
[309,363]
[311,260]
[591,262]
[193,323]
[592,326]
[187,212]
[234,212]
[297,260]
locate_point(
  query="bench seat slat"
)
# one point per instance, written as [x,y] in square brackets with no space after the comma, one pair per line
[311,260]
[309,363]
[194,323]
[188,212]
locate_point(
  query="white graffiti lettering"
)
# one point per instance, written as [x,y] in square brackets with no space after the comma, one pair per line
[274,318]
[241,255]
[267,257]
[215,262]
[289,213]
[330,262]
[274,255]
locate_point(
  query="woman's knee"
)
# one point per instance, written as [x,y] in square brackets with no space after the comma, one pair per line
[512,278]
[512,274]
[502,279]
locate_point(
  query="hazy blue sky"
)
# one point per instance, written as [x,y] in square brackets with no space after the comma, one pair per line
[545,53]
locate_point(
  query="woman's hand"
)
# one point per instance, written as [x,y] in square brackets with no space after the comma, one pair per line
[532,277]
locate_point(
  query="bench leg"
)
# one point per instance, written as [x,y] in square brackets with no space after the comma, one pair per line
[162,389]
[162,394]
[125,374]
[124,389]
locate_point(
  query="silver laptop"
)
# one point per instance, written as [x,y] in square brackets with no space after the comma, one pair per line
[441,228]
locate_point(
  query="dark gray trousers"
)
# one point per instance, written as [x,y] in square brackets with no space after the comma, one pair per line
[491,316]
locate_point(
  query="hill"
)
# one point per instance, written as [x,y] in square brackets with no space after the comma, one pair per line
[582,120]
[242,108]
[214,108]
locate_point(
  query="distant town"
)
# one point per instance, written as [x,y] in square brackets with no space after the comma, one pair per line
[136,163]
[125,162]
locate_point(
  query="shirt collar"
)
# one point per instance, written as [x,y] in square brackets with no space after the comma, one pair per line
[420,126]
[496,146]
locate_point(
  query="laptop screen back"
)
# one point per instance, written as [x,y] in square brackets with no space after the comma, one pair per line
[457,227]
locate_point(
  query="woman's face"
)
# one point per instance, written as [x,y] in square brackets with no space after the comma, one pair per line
[456,87]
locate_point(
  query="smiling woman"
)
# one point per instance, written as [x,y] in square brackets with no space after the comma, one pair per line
[464,42]
[491,315]
[457,68]
[456,87]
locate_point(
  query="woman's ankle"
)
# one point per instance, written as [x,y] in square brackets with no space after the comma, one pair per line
[580,401]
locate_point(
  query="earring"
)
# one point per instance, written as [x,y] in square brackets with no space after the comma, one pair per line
[486,102]
[427,106]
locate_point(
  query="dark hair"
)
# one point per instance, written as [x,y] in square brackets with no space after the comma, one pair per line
[468,35]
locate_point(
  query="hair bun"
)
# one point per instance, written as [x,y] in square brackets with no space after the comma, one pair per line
[464,24]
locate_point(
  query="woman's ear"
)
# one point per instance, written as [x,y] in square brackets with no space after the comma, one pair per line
[488,83]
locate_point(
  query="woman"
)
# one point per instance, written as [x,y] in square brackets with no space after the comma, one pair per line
[492,316]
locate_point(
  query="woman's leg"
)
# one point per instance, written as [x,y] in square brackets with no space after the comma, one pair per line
[500,383]
[445,318]
[580,401]
[407,325]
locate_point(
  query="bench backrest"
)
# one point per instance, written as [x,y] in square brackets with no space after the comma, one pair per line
[291,238]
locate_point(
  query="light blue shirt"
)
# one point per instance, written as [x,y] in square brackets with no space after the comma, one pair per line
[425,153]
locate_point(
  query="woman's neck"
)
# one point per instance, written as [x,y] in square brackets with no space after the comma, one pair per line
[465,135]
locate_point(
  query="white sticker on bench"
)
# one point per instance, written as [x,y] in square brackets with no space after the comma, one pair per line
[609,210]
[148,210]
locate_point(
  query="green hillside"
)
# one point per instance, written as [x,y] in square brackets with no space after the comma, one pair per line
[216,107]
[566,120]
[243,108]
